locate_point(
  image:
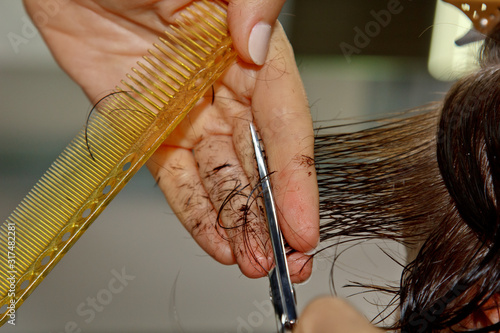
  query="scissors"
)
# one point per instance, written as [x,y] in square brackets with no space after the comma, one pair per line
[281,288]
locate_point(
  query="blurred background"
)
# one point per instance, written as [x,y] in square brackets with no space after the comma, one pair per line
[173,286]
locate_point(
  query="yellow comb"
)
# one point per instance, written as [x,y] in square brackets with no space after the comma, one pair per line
[119,137]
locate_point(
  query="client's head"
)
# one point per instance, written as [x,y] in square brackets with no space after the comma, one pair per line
[430,180]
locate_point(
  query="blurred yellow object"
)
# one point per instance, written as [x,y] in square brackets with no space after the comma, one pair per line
[449,61]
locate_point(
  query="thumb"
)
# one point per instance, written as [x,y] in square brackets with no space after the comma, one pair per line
[329,315]
[250,25]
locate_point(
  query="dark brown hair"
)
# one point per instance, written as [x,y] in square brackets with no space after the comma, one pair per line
[429,179]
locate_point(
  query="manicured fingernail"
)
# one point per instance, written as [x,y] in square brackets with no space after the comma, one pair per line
[258,43]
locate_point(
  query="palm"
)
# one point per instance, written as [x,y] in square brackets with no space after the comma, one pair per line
[97,41]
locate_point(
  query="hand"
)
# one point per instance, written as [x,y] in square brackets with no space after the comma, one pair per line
[209,154]
[333,315]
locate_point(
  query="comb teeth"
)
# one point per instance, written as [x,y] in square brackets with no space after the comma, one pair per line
[122,132]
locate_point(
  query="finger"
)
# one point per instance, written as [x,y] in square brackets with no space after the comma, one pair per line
[282,116]
[299,266]
[177,176]
[250,25]
[332,315]
[230,192]
[243,146]
[170,10]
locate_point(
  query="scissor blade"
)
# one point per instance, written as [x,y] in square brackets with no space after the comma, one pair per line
[281,285]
